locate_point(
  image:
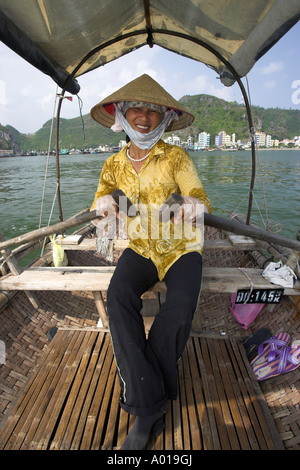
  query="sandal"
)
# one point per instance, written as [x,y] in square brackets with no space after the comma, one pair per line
[280,362]
[277,342]
[252,342]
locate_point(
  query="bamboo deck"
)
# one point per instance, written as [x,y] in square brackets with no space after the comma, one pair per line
[72,400]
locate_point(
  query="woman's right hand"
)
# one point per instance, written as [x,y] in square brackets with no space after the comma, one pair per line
[105,206]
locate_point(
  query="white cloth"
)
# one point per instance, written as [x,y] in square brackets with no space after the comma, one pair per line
[277,273]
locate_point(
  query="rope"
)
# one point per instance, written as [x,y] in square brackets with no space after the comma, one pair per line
[80,104]
[49,220]
[235,212]
[269,224]
[47,161]
[251,283]
[46,173]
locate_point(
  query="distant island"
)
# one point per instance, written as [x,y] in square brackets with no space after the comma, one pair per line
[218,124]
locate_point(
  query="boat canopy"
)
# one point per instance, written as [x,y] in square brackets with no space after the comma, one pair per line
[67,38]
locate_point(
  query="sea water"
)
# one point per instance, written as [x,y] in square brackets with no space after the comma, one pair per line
[26,197]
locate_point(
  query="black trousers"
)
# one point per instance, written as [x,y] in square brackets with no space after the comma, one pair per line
[147,368]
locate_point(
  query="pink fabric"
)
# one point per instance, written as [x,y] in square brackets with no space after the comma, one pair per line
[244,314]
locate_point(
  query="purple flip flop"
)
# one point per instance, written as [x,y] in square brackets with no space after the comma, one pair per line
[277,342]
[280,362]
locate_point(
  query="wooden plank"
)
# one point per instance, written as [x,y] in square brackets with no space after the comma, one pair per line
[97,278]
[59,392]
[98,405]
[194,431]
[74,441]
[224,404]
[228,380]
[122,428]
[202,413]
[213,397]
[113,415]
[177,428]
[105,406]
[71,412]
[214,441]
[241,241]
[244,406]
[45,385]
[16,269]
[183,405]
[238,243]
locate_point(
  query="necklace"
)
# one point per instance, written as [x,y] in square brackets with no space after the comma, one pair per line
[139,160]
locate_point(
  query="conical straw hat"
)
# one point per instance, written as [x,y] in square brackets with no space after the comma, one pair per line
[144,89]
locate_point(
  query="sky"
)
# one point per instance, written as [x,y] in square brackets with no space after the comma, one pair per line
[27,97]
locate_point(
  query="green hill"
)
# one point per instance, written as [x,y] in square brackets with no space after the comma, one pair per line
[214,115]
[211,115]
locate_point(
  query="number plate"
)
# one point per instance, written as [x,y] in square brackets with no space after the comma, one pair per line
[259,296]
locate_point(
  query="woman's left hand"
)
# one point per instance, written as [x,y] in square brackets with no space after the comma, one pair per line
[190,211]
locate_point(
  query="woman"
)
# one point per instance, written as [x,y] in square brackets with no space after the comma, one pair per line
[148,171]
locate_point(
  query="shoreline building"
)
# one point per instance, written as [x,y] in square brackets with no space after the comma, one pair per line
[203,140]
[260,139]
[224,140]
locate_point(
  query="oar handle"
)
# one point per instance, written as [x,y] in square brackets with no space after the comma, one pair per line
[171,207]
[124,204]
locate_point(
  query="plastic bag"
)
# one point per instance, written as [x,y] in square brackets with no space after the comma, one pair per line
[58,253]
[244,314]
[277,273]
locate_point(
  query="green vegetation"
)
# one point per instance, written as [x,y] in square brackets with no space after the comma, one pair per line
[212,115]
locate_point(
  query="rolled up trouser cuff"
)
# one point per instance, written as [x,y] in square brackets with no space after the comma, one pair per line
[162,405]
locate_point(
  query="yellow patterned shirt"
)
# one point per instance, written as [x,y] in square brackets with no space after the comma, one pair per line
[168,169]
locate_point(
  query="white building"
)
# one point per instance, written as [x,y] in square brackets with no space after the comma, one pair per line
[173,140]
[268,140]
[203,140]
[297,140]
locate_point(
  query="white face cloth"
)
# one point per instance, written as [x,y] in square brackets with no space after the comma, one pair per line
[142,141]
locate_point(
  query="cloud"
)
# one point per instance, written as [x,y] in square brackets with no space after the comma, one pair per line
[272,67]
[270,84]
[203,84]
[46,101]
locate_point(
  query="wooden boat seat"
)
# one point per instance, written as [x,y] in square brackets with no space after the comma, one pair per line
[72,400]
[96,279]
[93,278]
